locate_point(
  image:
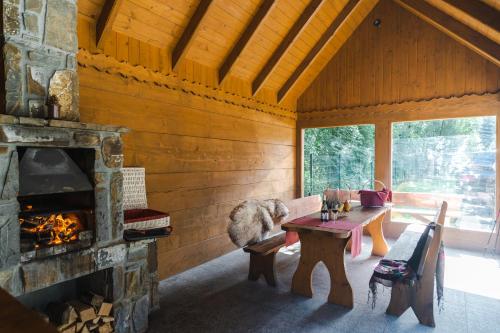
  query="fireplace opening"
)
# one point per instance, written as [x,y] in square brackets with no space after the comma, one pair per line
[56,196]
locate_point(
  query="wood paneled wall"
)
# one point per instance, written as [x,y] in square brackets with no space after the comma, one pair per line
[204,149]
[405,59]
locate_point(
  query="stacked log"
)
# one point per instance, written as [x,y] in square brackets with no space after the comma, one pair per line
[90,314]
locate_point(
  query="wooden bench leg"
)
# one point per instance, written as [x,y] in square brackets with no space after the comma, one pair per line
[262,265]
[400,299]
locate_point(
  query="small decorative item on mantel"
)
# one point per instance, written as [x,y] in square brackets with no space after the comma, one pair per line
[52,108]
[141,222]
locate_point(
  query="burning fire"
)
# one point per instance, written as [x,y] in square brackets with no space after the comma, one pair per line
[55,229]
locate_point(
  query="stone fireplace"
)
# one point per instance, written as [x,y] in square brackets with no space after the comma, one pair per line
[129,267]
[61,216]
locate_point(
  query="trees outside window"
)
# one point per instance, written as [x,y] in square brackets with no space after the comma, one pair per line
[338,157]
[451,159]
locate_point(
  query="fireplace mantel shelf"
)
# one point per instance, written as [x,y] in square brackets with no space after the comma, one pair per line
[38,122]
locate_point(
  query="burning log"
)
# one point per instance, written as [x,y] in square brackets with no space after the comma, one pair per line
[52,229]
[29,224]
[28,234]
[44,236]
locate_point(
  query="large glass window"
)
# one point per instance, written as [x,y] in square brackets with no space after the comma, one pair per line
[338,157]
[452,160]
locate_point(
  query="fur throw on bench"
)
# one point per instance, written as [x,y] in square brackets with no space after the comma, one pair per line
[252,220]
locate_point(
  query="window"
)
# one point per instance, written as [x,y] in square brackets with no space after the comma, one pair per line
[452,160]
[338,157]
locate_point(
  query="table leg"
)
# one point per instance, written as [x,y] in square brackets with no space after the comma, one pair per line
[374,228]
[340,288]
[316,247]
[302,279]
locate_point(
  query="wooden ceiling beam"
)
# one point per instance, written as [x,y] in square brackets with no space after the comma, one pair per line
[454,28]
[478,10]
[492,3]
[104,25]
[285,44]
[475,14]
[187,37]
[327,36]
[242,42]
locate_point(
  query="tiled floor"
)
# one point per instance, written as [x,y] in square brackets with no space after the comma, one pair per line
[216,297]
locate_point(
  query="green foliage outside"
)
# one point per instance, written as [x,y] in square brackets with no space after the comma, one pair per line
[428,156]
[338,157]
[441,156]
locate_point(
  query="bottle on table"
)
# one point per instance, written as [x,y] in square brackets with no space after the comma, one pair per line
[324,212]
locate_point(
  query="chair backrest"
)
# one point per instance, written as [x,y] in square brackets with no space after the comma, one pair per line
[427,266]
[424,252]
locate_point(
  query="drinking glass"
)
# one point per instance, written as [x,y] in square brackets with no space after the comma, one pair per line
[335,210]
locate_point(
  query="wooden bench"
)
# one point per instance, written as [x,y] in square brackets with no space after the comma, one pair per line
[420,295]
[262,254]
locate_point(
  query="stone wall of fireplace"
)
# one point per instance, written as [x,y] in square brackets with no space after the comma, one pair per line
[40,57]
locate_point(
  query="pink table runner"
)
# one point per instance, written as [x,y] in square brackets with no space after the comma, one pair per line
[356,231]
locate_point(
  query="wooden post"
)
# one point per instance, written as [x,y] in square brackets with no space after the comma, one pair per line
[299,163]
[383,153]
[383,156]
[497,192]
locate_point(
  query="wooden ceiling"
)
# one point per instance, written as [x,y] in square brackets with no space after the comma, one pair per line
[279,45]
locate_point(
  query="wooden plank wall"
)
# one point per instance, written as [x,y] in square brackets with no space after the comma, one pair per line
[203,152]
[405,59]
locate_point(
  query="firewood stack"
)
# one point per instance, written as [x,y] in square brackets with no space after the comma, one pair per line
[88,315]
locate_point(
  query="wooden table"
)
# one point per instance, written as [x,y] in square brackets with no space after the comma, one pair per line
[328,245]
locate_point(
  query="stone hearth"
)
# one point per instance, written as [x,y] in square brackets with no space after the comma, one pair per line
[134,269]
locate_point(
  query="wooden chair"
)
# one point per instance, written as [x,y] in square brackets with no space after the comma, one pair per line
[420,295]
[262,254]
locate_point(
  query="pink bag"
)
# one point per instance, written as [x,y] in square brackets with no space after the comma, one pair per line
[371,198]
